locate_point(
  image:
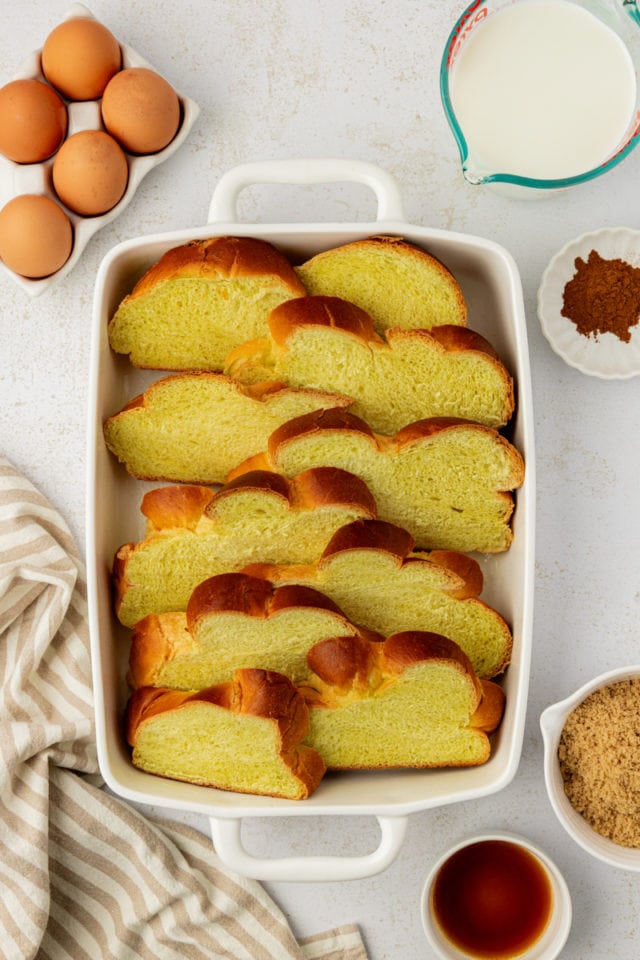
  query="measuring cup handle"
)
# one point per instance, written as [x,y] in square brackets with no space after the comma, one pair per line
[223,207]
[227,841]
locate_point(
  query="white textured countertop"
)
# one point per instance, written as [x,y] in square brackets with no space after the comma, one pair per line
[356,79]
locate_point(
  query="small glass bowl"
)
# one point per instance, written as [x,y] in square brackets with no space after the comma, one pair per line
[552,722]
[554,937]
[607,357]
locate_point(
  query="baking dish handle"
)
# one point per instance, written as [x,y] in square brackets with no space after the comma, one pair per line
[223,202]
[227,841]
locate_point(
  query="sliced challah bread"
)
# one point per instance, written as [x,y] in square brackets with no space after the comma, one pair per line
[194,427]
[396,282]
[233,620]
[411,701]
[331,345]
[199,301]
[370,570]
[194,533]
[447,481]
[243,735]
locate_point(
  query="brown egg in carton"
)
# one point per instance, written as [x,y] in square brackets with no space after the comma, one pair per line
[18,179]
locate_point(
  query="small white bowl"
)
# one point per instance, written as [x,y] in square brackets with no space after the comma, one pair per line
[606,357]
[552,722]
[554,937]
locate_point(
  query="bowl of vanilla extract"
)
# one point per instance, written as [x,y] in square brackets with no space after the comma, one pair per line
[496,895]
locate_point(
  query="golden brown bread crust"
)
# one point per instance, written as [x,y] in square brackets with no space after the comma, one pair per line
[258,392]
[341,421]
[343,662]
[176,506]
[491,707]
[402,650]
[251,596]
[254,597]
[354,664]
[332,419]
[321,311]
[298,426]
[220,258]
[184,505]
[153,641]
[315,487]
[324,486]
[333,312]
[371,535]
[147,702]
[463,566]
[260,693]
[410,250]
[265,693]
[381,535]
[156,637]
[458,577]
[455,338]
[267,480]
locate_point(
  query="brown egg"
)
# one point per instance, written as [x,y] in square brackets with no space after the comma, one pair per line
[90,173]
[79,57]
[36,236]
[33,121]
[141,110]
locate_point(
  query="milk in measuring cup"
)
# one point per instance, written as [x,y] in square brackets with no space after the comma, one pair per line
[542,89]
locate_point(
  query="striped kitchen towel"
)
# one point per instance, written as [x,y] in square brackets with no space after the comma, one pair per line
[83,876]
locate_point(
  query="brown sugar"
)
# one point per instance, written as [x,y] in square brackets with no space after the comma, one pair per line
[599,754]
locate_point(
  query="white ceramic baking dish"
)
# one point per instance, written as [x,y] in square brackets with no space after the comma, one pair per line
[491,284]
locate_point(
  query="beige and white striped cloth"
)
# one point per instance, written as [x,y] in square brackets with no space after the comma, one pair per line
[83,876]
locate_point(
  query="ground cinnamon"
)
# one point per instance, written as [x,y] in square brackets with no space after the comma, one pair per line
[599,755]
[603,297]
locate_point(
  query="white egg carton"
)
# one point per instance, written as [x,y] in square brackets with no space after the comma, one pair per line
[21,178]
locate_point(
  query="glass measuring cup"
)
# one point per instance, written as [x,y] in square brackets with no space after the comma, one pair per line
[620,16]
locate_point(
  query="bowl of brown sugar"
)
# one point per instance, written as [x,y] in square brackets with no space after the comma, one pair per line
[589,303]
[592,765]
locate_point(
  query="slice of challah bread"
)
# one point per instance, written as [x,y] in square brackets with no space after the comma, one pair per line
[199,301]
[233,620]
[194,427]
[194,533]
[411,701]
[370,570]
[447,481]
[330,344]
[243,735]
[396,282]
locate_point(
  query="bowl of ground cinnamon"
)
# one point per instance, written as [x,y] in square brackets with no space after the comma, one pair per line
[589,303]
[592,765]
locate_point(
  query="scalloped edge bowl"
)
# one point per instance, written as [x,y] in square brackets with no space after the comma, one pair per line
[606,357]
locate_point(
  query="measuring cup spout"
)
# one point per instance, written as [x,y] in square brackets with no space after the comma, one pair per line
[631,7]
[520,126]
[474,175]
